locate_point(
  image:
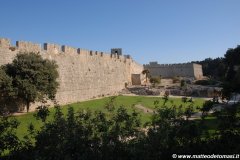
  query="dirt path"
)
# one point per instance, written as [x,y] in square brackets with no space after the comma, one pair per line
[170,96]
[144,109]
[194,116]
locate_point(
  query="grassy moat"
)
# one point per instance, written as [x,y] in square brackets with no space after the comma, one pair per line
[129,102]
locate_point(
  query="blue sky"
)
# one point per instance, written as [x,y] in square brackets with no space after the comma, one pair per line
[167,31]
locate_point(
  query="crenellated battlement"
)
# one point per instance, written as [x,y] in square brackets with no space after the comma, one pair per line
[83,51]
[5,43]
[67,49]
[28,47]
[52,48]
[49,48]
[155,64]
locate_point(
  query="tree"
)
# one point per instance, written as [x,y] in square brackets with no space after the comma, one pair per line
[236,81]
[5,83]
[232,56]
[214,68]
[207,106]
[33,78]
[8,138]
[146,72]
[232,75]
[6,91]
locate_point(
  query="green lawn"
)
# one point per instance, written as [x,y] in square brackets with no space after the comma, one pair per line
[99,104]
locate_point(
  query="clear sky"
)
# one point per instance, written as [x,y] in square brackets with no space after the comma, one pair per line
[167,31]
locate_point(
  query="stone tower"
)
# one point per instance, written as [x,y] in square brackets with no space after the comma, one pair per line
[116,51]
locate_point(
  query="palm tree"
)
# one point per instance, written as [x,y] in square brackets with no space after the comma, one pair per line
[146,72]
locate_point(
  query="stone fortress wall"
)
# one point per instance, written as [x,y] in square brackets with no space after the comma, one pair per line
[172,70]
[83,74]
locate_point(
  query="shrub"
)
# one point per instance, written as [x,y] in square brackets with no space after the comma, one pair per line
[206,82]
[176,79]
[155,80]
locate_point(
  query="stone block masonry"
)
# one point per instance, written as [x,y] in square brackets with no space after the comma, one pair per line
[83,74]
[191,70]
